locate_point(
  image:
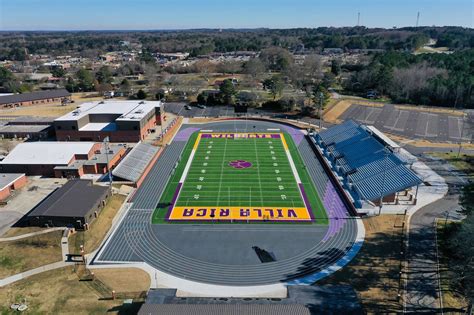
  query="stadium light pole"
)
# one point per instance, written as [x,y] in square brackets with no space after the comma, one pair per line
[320,109]
[162,111]
[106,147]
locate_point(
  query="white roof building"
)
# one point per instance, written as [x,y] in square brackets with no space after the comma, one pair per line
[46,153]
[127,110]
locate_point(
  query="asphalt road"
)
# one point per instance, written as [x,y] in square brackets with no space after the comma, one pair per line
[422,291]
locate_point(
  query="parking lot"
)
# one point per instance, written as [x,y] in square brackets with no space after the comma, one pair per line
[413,124]
[210,111]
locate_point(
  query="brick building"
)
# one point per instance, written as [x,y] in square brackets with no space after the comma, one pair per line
[121,121]
[35,98]
[61,159]
[77,203]
[9,183]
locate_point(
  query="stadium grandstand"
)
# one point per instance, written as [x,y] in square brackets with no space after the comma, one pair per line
[136,165]
[368,165]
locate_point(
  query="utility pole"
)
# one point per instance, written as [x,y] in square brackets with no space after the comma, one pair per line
[417,18]
[358,18]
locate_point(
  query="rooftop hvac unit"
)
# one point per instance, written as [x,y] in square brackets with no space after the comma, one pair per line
[142,102]
[111,151]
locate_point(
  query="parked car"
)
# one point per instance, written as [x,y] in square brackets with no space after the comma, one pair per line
[187,107]
[201,106]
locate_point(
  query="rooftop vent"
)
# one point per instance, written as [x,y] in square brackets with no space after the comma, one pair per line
[142,102]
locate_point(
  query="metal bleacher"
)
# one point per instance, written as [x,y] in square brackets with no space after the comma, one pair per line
[370,168]
[134,164]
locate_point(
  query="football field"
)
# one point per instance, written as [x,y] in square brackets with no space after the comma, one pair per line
[240,177]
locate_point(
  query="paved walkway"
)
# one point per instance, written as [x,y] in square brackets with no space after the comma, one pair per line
[52,266]
[19,237]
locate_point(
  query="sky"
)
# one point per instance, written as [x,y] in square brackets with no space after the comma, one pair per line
[188,14]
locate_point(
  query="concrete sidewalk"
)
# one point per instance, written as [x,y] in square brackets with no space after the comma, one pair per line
[19,237]
[52,266]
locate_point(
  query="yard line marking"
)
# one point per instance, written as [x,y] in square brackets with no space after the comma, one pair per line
[222,172]
[258,171]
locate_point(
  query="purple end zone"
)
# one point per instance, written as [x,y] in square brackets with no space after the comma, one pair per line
[175,196]
[276,136]
[306,201]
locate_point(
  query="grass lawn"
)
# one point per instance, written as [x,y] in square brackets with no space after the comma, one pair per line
[92,238]
[59,292]
[29,253]
[374,273]
[216,178]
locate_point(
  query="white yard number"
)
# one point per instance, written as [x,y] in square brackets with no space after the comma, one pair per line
[275,164]
[277,171]
[199,187]
[283,197]
[201,179]
[281,187]
[196,196]
[278,179]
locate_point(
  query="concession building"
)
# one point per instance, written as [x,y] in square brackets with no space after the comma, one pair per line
[121,121]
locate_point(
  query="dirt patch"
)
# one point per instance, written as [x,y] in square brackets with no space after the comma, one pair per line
[57,292]
[333,113]
[29,253]
[374,273]
[124,280]
[92,238]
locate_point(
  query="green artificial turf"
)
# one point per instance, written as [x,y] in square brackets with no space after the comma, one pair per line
[268,182]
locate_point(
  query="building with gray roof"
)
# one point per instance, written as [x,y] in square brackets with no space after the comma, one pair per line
[76,203]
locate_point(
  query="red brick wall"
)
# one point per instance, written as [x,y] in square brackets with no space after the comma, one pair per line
[114,136]
[20,182]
